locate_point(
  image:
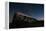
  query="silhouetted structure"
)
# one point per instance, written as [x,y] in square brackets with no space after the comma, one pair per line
[21,21]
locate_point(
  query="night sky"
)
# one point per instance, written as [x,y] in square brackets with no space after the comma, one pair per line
[34,10]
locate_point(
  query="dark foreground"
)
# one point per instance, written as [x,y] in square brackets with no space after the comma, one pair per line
[26,24]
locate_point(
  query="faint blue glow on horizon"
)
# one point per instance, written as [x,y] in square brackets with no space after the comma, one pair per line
[34,10]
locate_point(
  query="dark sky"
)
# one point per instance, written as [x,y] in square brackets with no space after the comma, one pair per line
[34,10]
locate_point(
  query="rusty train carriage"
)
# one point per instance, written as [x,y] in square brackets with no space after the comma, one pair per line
[24,18]
[20,17]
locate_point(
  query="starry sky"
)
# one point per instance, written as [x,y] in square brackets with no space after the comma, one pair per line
[31,9]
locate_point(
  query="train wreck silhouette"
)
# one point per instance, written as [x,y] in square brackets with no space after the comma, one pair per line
[21,20]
